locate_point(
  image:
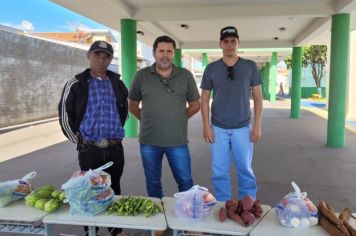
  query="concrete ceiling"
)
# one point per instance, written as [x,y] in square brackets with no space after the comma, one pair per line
[259,22]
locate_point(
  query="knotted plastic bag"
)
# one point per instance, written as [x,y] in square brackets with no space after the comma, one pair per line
[296,210]
[194,204]
[13,190]
[89,192]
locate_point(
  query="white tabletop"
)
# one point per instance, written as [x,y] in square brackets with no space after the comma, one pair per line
[271,226]
[19,211]
[154,222]
[210,224]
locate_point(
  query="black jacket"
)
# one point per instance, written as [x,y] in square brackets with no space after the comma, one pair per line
[74,99]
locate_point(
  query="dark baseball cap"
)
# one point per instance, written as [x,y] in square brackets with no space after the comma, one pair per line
[228,31]
[102,46]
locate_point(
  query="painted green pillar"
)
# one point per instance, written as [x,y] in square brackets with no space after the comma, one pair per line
[178,57]
[129,66]
[273,78]
[262,72]
[204,60]
[339,59]
[267,75]
[296,82]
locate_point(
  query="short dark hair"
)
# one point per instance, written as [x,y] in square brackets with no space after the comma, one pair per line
[163,39]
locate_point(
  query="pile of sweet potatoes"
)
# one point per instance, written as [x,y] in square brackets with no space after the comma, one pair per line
[244,211]
[336,226]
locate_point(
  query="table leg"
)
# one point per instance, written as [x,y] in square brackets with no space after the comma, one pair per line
[48,229]
[175,232]
[91,231]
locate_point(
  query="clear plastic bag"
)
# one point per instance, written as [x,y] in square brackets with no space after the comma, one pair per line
[194,204]
[89,192]
[13,190]
[296,210]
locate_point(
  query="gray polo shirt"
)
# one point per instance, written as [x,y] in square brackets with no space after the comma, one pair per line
[230,108]
[164,120]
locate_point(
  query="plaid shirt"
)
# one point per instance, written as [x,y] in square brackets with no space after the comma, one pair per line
[101,119]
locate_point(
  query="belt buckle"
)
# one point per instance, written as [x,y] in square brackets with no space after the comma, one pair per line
[103,143]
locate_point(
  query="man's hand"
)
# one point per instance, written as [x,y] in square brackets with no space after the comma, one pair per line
[209,134]
[256,133]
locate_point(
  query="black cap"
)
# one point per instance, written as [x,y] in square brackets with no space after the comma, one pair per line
[228,31]
[102,46]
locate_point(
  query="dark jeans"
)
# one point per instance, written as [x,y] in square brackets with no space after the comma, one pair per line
[179,161]
[92,157]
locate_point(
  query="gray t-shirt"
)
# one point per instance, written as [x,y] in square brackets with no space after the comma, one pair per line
[164,120]
[230,108]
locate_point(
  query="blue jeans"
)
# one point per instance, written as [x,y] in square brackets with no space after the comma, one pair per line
[236,141]
[179,162]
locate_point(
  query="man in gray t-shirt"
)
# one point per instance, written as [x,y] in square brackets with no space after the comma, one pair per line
[163,91]
[231,79]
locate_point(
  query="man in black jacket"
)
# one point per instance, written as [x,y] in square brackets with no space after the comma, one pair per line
[92,113]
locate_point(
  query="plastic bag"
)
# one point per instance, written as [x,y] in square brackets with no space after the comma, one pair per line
[296,210]
[194,204]
[13,190]
[89,192]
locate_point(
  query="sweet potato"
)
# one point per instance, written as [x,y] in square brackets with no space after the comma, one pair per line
[345,216]
[247,203]
[258,210]
[248,217]
[230,203]
[239,208]
[235,217]
[222,214]
[329,227]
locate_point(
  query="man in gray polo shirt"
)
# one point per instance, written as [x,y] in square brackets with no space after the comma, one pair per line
[163,91]
[229,130]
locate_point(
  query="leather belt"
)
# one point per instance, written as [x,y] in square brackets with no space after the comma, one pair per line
[104,143]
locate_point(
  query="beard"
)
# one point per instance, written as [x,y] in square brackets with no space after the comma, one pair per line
[164,64]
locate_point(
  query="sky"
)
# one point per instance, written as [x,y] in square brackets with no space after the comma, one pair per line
[44,16]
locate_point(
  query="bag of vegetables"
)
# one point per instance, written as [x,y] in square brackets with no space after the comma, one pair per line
[89,192]
[194,204]
[296,210]
[13,190]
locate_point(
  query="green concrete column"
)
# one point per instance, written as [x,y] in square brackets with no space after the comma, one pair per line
[204,60]
[262,73]
[267,75]
[339,59]
[129,66]
[273,78]
[296,82]
[178,57]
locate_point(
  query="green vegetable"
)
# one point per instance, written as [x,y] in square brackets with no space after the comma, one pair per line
[55,194]
[40,203]
[51,205]
[48,187]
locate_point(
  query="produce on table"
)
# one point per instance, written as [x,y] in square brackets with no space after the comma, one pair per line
[194,204]
[338,226]
[13,190]
[244,211]
[88,192]
[131,206]
[46,198]
[296,210]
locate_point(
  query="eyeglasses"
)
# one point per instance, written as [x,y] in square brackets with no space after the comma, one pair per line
[166,85]
[230,73]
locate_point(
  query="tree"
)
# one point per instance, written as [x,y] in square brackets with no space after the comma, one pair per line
[315,56]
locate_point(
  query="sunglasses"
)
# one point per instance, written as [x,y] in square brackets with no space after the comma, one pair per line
[166,85]
[230,73]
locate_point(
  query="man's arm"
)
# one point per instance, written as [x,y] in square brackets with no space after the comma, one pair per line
[193,107]
[205,110]
[134,108]
[66,112]
[257,108]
